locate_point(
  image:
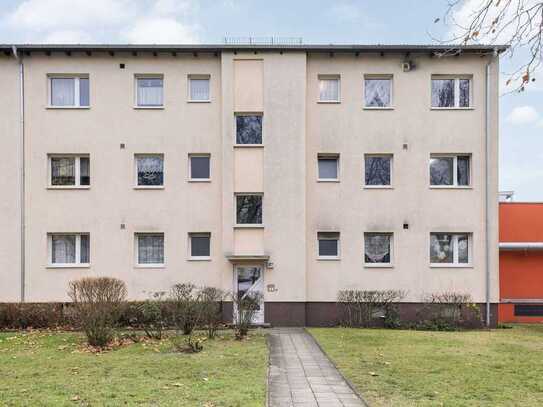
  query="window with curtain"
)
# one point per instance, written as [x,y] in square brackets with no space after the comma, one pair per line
[69,249]
[328,167]
[328,244]
[329,88]
[378,91]
[450,248]
[200,244]
[199,167]
[69,91]
[69,171]
[377,248]
[199,89]
[248,129]
[249,209]
[450,170]
[150,91]
[377,170]
[150,248]
[150,170]
[451,92]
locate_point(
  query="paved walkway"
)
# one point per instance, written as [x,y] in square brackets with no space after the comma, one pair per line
[301,375]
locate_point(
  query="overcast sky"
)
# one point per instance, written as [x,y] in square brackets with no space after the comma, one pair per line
[316,21]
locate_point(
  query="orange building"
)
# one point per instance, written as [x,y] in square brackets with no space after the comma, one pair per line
[521,262]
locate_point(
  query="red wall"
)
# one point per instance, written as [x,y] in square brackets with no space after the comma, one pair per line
[521,272]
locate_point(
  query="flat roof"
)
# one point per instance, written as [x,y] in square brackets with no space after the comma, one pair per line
[363,48]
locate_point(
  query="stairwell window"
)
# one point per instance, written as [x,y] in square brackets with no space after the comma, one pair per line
[69,249]
[149,171]
[450,170]
[329,88]
[69,91]
[450,249]
[199,88]
[69,171]
[150,91]
[249,209]
[378,249]
[328,245]
[451,92]
[378,91]
[149,249]
[249,129]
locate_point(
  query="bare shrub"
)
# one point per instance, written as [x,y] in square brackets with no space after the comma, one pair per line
[98,303]
[448,310]
[360,308]
[245,308]
[211,299]
[151,315]
[187,308]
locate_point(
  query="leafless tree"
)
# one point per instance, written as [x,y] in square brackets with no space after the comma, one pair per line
[517,23]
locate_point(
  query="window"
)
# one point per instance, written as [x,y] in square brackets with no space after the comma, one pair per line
[328,245]
[450,248]
[451,92]
[69,249]
[328,167]
[69,91]
[150,249]
[200,245]
[150,91]
[377,170]
[199,88]
[378,91]
[328,88]
[248,129]
[378,249]
[199,167]
[150,170]
[529,310]
[249,209]
[450,170]
[69,171]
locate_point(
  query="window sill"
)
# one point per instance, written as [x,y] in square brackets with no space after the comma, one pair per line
[378,265]
[450,187]
[248,145]
[378,187]
[199,180]
[207,258]
[49,107]
[149,107]
[450,266]
[69,266]
[378,108]
[328,258]
[248,226]
[452,108]
[328,180]
[68,187]
[149,187]
[198,101]
[329,102]
[149,266]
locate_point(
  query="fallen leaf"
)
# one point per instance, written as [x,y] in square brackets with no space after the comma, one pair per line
[75,398]
[373,374]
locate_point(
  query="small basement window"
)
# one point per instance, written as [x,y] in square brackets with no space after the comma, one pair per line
[529,310]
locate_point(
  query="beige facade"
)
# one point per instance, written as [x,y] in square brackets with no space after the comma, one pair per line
[282,87]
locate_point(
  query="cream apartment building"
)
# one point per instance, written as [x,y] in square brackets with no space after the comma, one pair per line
[296,171]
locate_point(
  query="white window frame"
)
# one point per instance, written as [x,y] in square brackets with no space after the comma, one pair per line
[455,263]
[199,234]
[77,99]
[456,79]
[338,256]
[329,156]
[149,76]
[135,170]
[247,225]
[190,178]
[379,265]
[379,155]
[190,77]
[77,165]
[236,145]
[136,250]
[455,171]
[77,263]
[382,77]
[336,77]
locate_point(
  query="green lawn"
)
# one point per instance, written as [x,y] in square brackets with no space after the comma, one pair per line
[413,368]
[53,369]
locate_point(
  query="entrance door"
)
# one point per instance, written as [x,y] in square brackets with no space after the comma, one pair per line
[250,280]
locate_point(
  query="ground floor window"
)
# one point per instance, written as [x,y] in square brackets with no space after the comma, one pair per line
[450,248]
[69,249]
[328,245]
[378,248]
[200,245]
[150,249]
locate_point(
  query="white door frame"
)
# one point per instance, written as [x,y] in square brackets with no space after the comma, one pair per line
[259,315]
